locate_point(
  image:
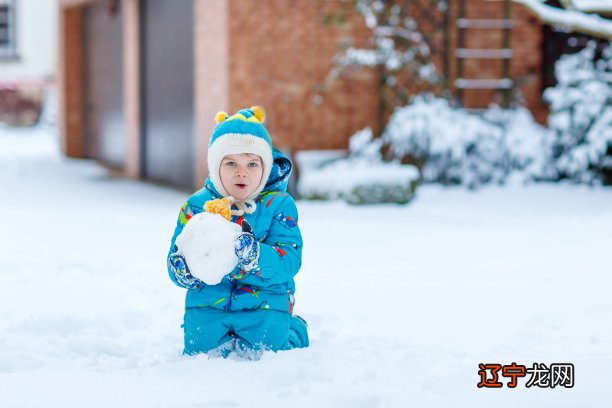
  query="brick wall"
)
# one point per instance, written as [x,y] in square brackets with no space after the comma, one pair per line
[527,60]
[279,56]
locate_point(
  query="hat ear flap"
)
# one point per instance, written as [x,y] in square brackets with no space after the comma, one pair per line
[259,113]
[220,117]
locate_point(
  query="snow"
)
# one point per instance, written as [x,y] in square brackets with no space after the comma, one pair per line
[358,176]
[207,242]
[402,301]
[363,144]
[579,21]
[312,159]
[458,147]
[581,115]
[597,6]
[343,179]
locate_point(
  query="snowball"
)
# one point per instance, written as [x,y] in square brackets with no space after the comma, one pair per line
[207,243]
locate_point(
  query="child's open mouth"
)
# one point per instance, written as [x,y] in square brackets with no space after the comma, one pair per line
[240,185]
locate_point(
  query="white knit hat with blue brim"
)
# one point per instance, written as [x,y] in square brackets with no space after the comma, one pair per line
[243,132]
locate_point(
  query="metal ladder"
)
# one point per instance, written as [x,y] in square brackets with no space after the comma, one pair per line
[503,84]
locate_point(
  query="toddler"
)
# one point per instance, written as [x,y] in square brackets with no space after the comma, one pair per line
[251,309]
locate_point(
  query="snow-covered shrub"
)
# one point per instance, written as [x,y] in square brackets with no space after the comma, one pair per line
[360,182]
[362,145]
[361,177]
[581,117]
[453,146]
[524,140]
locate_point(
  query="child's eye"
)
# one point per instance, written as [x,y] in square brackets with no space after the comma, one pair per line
[230,163]
[253,164]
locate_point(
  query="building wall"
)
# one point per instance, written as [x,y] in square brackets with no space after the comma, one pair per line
[131,87]
[526,63]
[211,55]
[526,45]
[70,83]
[277,54]
[280,56]
[167,104]
[37,41]
[104,126]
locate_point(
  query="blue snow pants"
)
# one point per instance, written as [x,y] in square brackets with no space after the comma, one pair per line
[218,331]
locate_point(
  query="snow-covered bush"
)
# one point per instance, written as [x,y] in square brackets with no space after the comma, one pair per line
[580,117]
[452,146]
[524,140]
[361,177]
[362,145]
[360,182]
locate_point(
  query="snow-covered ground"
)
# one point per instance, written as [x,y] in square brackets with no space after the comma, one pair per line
[403,302]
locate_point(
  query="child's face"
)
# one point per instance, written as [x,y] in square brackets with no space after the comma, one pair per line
[241,174]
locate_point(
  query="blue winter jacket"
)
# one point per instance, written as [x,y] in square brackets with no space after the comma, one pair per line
[270,285]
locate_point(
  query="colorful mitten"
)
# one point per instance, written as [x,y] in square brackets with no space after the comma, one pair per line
[181,272]
[246,248]
[221,206]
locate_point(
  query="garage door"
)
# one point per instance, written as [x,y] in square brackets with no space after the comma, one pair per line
[167,91]
[104,132]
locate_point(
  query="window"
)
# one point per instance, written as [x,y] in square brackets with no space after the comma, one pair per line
[8,45]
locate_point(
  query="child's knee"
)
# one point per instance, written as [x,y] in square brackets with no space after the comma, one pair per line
[204,330]
[262,330]
[210,330]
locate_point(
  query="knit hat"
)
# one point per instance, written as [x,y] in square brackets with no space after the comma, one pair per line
[240,133]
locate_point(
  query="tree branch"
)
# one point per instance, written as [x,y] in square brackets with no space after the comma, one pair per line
[576,21]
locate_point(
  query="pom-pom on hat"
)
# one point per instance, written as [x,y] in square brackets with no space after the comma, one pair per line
[243,132]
